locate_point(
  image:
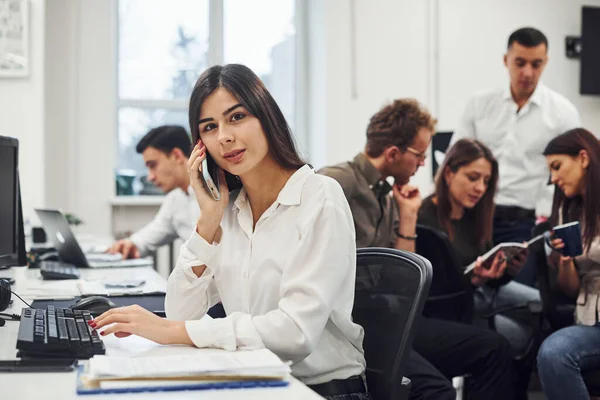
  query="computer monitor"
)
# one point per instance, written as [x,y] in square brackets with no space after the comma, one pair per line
[12,238]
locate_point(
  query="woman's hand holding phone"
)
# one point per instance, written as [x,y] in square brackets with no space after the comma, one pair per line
[211,211]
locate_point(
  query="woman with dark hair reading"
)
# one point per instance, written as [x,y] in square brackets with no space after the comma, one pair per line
[278,252]
[463,207]
[574,162]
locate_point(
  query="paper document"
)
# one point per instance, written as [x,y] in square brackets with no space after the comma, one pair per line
[261,363]
[39,290]
[103,257]
[88,288]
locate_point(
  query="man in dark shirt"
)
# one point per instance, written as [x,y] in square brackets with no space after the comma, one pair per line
[397,140]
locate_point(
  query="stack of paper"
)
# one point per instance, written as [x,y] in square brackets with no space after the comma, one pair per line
[102,288]
[195,370]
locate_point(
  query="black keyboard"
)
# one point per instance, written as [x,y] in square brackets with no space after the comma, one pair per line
[57,332]
[53,270]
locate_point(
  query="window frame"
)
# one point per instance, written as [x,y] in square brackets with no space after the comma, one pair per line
[215,57]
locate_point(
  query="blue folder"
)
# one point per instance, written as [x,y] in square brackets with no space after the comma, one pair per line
[81,390]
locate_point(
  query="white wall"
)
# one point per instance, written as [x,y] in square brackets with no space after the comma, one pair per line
[22,113]
[473,38]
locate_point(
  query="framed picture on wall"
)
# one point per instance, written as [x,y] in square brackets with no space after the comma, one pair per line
[14,38]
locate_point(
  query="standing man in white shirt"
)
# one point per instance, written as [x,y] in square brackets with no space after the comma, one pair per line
[166,150]
[516,123]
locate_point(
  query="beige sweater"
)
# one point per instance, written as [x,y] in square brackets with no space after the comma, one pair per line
[588,304]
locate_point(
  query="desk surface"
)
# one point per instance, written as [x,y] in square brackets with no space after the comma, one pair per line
[62,385]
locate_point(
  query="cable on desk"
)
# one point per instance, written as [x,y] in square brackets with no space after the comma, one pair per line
[11,317]
[28,305]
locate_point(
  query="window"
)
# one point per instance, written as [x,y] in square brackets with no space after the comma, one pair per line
[163,47]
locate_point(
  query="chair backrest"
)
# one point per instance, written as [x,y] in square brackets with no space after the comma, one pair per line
[450,295]
[391,287]
[555,306]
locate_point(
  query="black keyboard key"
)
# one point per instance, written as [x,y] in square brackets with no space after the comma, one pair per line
[52,329]
[63,334]
[68,312]
[39,334]
[72,328]
[96,341]
[84,334]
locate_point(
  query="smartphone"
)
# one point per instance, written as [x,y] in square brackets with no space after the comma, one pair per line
[210,177]
[38,365]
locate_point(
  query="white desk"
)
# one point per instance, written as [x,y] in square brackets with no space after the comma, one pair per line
[61,386]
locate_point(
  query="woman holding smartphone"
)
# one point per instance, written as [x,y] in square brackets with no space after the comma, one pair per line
[574,162]
[279,253]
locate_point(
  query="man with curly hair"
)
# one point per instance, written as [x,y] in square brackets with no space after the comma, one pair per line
[398,137]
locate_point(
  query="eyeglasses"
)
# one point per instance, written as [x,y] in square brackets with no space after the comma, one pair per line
[422,155]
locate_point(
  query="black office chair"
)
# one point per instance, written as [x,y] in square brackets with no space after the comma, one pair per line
[391,287]
[557,308]
[450,295]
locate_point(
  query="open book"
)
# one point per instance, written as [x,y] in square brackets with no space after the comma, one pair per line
[510,250]
[570,233]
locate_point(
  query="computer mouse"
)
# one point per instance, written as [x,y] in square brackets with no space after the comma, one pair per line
[96,305]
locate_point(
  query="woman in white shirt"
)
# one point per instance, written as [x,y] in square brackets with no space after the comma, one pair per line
[279,253]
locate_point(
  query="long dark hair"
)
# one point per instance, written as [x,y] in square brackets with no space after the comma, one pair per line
[464,152]
[576,208]
[250,91]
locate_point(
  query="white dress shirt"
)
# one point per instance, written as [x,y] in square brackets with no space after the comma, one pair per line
[176,218]
[517,140]
[287,285]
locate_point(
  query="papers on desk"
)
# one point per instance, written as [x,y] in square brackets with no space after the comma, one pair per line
[193,370]
[89,288]
[49,290]
[107,257]
[93,282]
[251,363]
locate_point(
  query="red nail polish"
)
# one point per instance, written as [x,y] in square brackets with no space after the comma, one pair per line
[102,333]
[90,322]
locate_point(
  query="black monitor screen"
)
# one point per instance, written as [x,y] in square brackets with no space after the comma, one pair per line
[590,50]
[8,201]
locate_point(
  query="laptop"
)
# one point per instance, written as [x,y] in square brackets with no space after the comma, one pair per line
[60,235]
